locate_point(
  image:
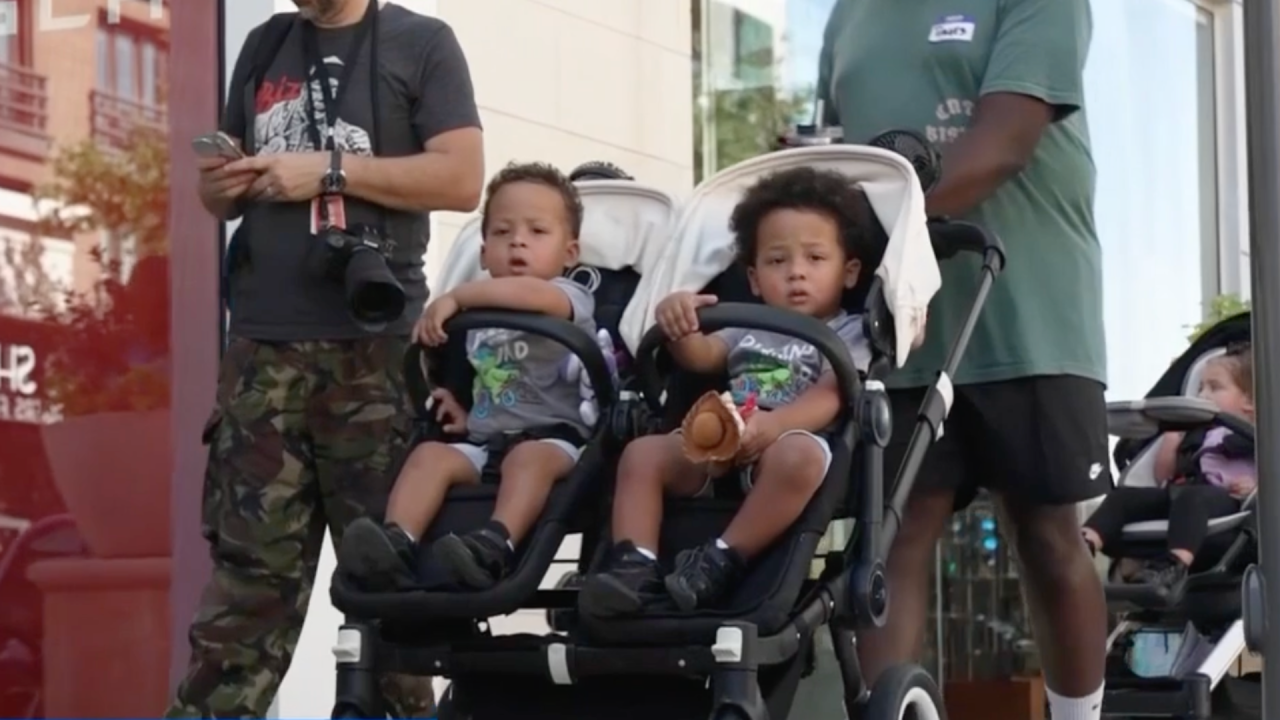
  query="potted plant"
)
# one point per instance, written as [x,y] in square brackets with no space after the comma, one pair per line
[1216,310]
[106,385]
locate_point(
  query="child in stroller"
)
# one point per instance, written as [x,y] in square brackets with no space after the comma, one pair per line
[1202,474]
[524,409]
[801,234]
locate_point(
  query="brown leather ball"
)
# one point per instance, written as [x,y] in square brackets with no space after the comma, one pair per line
[707,430]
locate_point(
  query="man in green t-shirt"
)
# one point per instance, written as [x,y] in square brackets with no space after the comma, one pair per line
[997,86]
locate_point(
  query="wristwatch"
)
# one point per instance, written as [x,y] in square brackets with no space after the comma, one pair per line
[335,180]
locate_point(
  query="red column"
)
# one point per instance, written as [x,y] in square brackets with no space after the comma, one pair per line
[194,101]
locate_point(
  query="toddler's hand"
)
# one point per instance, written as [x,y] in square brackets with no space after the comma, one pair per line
[430,328]
[677,314]
[449,412]
[1241,486]
[761,432]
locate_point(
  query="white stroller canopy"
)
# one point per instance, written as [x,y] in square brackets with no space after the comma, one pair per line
[625,224]
[702,246]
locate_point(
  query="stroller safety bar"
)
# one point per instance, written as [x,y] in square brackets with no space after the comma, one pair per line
[1142,419]
[753,317]
[421,364]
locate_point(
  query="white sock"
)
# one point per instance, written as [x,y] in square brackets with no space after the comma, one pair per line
[720,543]
[408,534]
[647,553]
[1088,707]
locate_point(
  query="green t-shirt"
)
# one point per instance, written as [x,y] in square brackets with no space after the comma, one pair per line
[923,64]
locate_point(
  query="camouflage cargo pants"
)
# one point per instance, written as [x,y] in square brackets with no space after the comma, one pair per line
[304,436]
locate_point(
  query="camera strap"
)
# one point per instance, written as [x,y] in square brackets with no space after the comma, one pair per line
[324,139]
[311,47]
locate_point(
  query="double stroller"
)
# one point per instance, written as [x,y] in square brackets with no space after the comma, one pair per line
[1198,637]
[742,660]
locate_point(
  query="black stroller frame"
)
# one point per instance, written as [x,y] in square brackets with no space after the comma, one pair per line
[852,593]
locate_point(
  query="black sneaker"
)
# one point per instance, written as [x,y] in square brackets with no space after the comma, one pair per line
[1167,578]
[702,576]
[476,560]
[379,558]
[629,583]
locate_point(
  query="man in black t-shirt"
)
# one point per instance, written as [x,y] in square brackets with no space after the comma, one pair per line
[311,414]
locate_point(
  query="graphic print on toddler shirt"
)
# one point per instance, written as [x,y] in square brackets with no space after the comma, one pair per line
[774,373]
[496,356]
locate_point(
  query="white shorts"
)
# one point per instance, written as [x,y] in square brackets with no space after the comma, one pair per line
[746,473]
[479,454]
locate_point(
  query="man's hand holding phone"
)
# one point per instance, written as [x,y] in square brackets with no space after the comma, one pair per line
[220,187]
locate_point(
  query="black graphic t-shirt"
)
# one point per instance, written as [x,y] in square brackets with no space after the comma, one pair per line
[425,90]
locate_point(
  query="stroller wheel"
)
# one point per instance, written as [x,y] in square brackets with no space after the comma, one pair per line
[905,692]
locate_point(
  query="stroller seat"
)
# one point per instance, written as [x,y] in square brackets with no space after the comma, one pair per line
[624,227]
[1205,621]
[742,661]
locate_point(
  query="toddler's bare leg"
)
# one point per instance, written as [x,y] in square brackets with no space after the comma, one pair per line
[651,467]
[425,479]
[790,471]
[529,471]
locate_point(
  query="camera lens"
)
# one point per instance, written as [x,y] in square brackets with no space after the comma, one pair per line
[374,296]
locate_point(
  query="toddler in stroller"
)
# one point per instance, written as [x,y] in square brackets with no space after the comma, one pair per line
[801,234]
[1201,474]
[523,403]
[740,658]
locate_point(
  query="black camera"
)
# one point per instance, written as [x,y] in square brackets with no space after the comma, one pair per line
[357,258]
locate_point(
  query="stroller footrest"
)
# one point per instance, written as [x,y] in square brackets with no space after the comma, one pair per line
[1143,597]
[1188,697]
[554,658]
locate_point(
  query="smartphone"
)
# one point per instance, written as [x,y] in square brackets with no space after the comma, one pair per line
[215,145]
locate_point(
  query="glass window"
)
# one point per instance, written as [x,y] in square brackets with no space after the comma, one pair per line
[1150,89]
[10,17]
[102,68]
[124,79]
[86,357]
[147,69]
[755,63]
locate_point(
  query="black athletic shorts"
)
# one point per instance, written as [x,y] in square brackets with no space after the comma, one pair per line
[1040,440]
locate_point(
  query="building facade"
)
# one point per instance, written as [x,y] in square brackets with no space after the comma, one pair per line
[110,326]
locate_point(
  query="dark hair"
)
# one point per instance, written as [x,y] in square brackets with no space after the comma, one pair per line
[805,188]
[540,174]
[1238,360]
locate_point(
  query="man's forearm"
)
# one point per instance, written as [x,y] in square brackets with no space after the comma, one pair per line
[423,182]
[973,169]
[1001,142]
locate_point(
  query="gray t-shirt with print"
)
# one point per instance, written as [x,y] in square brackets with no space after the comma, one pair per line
[521,380]
[777,369]
[424,90]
